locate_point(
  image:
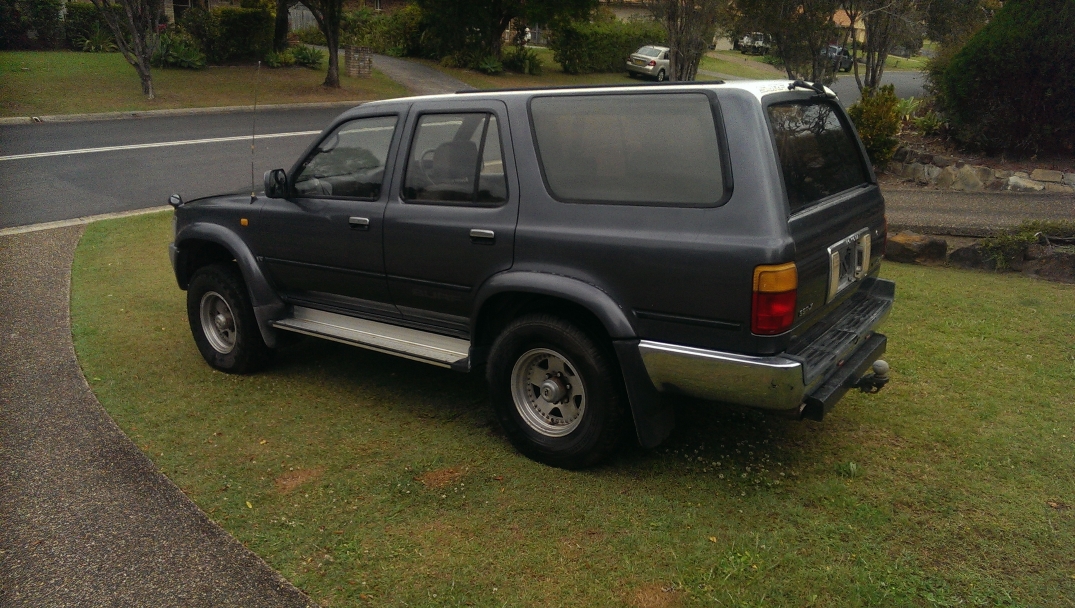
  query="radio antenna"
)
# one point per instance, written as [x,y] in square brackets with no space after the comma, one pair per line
[253,131]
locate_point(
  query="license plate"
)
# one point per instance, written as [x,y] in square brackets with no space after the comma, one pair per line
[638,62]
[849,261]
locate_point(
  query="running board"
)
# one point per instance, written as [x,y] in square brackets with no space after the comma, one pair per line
[415,344]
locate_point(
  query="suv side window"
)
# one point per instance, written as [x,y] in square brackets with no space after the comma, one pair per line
[456,158]
[638,149]
[349,163]
[817,151]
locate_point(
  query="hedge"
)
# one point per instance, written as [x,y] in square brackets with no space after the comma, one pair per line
[1012,86]
[228,33]
[582,47]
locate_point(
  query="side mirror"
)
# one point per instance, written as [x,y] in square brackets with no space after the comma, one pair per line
[276,185]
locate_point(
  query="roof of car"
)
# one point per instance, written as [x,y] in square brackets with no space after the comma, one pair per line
[759,88]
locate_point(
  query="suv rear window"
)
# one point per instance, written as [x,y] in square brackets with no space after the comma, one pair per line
[640,149]
[817,150]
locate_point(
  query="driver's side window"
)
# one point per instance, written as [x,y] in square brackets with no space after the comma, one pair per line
[456,158]
[349,163]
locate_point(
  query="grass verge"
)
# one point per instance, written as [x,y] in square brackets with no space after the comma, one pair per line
[552,75]
[63,82]
[734,63]
[372,480]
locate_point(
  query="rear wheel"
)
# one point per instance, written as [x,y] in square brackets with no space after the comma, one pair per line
[661,76]
[557,392]
[222,320]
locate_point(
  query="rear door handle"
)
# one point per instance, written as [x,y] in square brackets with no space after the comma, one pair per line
[359,223]
[482,235]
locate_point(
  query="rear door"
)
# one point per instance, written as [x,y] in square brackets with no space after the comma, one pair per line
[450,222]
[837,213]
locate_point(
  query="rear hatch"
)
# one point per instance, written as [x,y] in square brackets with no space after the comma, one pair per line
[837,216]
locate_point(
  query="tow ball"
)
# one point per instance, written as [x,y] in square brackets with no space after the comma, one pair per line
[874,382]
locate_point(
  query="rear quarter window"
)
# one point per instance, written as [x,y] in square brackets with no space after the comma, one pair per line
[818,153]
[640,149]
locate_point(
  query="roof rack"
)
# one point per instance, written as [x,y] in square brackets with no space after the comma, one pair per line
[589,86]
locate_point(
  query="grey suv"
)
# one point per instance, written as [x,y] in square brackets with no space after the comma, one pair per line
[588,248]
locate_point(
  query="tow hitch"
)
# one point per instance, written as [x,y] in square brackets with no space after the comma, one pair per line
[874,382]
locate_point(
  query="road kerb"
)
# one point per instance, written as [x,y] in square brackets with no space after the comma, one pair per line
[79,220]
[125,115]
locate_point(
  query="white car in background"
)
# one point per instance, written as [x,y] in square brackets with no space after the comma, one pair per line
[651,61]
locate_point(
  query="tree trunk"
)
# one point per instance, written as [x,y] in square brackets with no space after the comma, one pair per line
[279,38]
[332,78]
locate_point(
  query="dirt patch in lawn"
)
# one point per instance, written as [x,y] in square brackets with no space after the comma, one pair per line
[287,482]
[439,478]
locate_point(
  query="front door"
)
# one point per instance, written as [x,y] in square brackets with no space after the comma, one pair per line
[323,245]
[450,224]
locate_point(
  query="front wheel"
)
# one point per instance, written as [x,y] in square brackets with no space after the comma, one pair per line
[222,320]
[557,393]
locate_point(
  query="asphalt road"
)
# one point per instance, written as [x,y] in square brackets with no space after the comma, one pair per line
[907,84]
[53,188]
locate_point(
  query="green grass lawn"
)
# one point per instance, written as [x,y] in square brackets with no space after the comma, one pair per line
[552,75]
[735,63]
[62,82]
[371,480]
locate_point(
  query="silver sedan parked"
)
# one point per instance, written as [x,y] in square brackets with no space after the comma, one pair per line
[651,61]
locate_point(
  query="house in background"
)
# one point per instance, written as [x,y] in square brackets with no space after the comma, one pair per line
[841,19]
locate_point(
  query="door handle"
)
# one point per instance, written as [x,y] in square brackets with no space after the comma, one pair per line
[359,223]
[482,236]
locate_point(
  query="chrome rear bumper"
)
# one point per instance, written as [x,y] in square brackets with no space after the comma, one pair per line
[784,381]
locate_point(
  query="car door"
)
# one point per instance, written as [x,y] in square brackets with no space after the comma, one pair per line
[322,245]
[450,221]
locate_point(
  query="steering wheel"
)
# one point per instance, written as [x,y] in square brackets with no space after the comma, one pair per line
[427,157]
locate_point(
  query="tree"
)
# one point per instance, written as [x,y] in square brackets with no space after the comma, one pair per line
[279,38]
[954,21]
[328,14]
[474,30]
[801,30]
[690,24]
[888,23]
[136,35]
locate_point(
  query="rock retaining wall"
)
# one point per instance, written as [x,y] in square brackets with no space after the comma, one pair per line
[949,173]
[1040,261]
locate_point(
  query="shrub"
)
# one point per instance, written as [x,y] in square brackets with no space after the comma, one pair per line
[178,50]
[929,123]
[12,28]
[582,47]
[523,61]
[245,33]
[311,35]
[490,65]
[228,33]
[876,117]
[83,22]
[100,40]
[1009,246]
[398,34]
[44,17]
[1010,87]
[282,59]
[308,56]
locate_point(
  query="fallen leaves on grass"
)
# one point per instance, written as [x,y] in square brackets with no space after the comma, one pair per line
[293,479]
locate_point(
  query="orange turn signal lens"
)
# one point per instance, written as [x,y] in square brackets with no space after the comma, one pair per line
[776,278]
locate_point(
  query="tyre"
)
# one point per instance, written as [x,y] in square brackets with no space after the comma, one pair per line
[557,392]
[661,76]
[222,320]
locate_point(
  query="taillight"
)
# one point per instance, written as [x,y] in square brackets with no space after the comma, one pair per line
[651,63]
[773,309]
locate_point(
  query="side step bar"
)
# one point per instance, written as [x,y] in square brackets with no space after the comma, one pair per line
[405,342]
